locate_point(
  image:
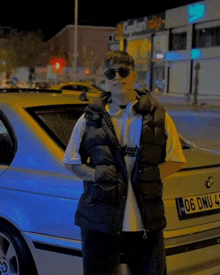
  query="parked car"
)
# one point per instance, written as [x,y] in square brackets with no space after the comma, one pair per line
[39,197]
[41,85]
[6,83]
[9,83]
[89,90]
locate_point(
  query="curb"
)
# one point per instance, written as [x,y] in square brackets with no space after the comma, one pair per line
[177,106]
[180,103]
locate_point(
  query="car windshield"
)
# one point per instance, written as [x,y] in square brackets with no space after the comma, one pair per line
[58,121]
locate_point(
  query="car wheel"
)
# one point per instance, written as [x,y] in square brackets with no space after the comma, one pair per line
[15,256]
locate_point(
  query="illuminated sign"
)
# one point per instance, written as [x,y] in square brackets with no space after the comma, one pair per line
[196,53]
[120,29]
[173,56]
[159,55]
[137,25]
[155,23]
[148,24]
[196,12]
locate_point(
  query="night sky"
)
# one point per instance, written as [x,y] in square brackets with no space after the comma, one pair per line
[51,17]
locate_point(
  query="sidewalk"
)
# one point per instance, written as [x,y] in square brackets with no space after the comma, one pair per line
[180,102]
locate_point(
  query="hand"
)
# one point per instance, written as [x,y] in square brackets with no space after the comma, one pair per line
[106,176]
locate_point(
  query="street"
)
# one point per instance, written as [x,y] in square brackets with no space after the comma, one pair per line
[199,126]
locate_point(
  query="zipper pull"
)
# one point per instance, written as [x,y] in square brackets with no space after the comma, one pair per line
[145,234]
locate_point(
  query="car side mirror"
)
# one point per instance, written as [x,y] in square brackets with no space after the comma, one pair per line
[83,97]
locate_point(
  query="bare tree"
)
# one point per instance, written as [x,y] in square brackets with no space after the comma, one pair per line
[29,47]
[8,60]
[89,59]
[99,79]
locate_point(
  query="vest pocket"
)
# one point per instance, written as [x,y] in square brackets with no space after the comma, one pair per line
[99,193]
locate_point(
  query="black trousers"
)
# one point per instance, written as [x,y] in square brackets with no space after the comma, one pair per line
[102,253]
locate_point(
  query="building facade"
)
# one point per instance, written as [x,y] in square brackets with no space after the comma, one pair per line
[5,63]
[92,47]
[176,52]
[146,41]
[193,58]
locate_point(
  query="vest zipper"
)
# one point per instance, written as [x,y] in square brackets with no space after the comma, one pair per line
[121,163]
[145,234]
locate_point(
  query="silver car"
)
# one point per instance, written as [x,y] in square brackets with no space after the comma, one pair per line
[39,197]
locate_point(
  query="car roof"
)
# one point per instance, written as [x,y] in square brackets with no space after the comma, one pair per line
[24,100]
[73,83]
[76,83]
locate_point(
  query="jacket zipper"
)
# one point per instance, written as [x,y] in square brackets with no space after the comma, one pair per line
[145,234]
[111,127]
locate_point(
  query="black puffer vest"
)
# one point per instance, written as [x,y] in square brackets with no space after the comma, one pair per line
[102,204]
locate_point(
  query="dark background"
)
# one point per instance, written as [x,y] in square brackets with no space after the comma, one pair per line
[51,16]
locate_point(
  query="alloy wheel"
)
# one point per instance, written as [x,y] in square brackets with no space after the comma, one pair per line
[9,264]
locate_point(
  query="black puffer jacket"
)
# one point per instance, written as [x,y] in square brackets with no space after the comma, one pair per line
[102,204]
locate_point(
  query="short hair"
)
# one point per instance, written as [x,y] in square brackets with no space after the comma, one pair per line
[118,57]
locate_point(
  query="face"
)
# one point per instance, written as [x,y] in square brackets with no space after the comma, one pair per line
[122,89]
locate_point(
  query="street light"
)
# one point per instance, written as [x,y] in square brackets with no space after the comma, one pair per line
[75,38]
[4,64]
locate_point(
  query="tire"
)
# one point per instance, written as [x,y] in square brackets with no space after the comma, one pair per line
[15,256]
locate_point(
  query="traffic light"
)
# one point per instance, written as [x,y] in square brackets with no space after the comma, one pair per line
[58,64]
[87,71]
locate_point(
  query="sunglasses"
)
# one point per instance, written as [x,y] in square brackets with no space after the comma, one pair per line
[123,72]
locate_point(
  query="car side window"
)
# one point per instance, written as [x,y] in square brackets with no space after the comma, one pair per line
[185,145]
[57,121]
[83,88]
[6,145]
[79,88]
[75,88]
[68,87]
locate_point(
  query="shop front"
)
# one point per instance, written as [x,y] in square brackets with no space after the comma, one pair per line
[140,49]
[193,57]
[138,37]
[160,47]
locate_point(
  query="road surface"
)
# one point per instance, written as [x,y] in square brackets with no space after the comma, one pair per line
[201,127]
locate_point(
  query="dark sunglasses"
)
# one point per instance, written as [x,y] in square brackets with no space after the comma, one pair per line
[123,72]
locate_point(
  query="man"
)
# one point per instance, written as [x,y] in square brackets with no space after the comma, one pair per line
[122,147]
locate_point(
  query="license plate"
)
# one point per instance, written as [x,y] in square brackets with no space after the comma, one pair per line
[196,206]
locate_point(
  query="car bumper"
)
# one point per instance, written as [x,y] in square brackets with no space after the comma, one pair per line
[54,255]
[197,253]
